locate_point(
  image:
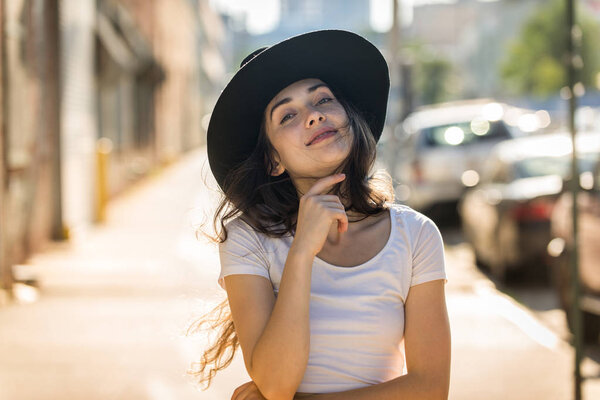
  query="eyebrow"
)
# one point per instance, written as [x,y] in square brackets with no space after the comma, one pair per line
[288,99]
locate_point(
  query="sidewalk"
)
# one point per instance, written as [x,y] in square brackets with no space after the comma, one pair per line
[113,305]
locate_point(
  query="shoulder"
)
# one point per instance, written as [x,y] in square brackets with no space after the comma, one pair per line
[238,225]
[425,243]
[241,233]
[411,220]
[242,252]
[415,229]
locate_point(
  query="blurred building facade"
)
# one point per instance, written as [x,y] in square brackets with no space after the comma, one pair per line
[473,36]
[30,191]
[133,78]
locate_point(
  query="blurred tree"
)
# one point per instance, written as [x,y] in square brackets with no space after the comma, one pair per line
[433,77]
[433,80]
[534,62]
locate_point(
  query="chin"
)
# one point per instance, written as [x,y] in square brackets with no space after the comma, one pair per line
[324,163]
[326,170]
[335,160]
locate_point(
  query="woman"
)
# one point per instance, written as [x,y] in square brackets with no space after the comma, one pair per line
[327,281]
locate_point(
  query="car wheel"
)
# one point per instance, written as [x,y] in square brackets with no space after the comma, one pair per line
[591,327]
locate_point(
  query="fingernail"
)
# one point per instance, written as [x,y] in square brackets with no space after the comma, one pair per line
[342,175]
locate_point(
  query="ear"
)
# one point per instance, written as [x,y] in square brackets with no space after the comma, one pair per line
[274,163]
[276,169]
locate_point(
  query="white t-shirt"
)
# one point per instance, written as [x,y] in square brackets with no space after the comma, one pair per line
[356,313]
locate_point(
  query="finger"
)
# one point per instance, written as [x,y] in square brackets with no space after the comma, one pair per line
[322,200]
[341,217]
[328,197]
[323,184]
[337,212]
[334,204]
[342,226]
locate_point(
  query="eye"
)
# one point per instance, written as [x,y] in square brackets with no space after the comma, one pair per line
[324,100]
[285,118]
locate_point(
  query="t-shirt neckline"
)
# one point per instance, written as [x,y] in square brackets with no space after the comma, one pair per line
[385,248]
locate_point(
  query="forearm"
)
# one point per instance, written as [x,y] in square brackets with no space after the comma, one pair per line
[280,356]
[404,387]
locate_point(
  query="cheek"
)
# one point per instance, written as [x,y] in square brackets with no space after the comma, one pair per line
[286,148]
[288,138]
[338,110]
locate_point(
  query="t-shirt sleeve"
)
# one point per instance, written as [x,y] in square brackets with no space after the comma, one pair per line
[428,254]
[242,252]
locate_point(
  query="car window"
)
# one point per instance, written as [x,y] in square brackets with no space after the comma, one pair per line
[463,133]
[543,166]
[588,161]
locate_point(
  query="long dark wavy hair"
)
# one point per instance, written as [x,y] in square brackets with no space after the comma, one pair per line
[269,204]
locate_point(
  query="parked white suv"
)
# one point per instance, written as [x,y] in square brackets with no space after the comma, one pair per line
[444,147]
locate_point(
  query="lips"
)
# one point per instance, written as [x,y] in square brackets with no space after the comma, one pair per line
[319,133]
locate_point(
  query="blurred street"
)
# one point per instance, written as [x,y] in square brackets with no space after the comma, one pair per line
[109,318]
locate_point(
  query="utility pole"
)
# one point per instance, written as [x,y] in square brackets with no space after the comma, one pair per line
[6,277]
[395,97]
[52,106]
[573,61]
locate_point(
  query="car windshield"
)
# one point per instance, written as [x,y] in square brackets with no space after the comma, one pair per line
[462,133]
[543,166]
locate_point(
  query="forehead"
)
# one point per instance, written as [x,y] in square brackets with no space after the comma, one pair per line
[298,87]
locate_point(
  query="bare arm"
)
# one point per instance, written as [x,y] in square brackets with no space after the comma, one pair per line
[427,342]
[275,333]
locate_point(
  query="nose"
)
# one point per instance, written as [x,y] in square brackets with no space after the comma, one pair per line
[314,117]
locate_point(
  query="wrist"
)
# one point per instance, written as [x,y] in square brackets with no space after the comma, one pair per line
[300,253]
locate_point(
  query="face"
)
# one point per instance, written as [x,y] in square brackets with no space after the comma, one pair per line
[308,128]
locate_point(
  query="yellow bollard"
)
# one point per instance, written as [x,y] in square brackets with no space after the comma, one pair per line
[104,147]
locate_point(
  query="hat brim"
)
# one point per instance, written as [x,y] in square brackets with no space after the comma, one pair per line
[342,59]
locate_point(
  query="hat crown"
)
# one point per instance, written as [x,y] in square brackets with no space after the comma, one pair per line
[250,56]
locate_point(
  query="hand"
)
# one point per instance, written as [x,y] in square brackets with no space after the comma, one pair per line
[248,391]
[316,213]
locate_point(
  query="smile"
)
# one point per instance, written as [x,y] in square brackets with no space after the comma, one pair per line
[321,137]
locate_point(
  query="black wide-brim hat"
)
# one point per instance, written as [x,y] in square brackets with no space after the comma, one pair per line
[349,63]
